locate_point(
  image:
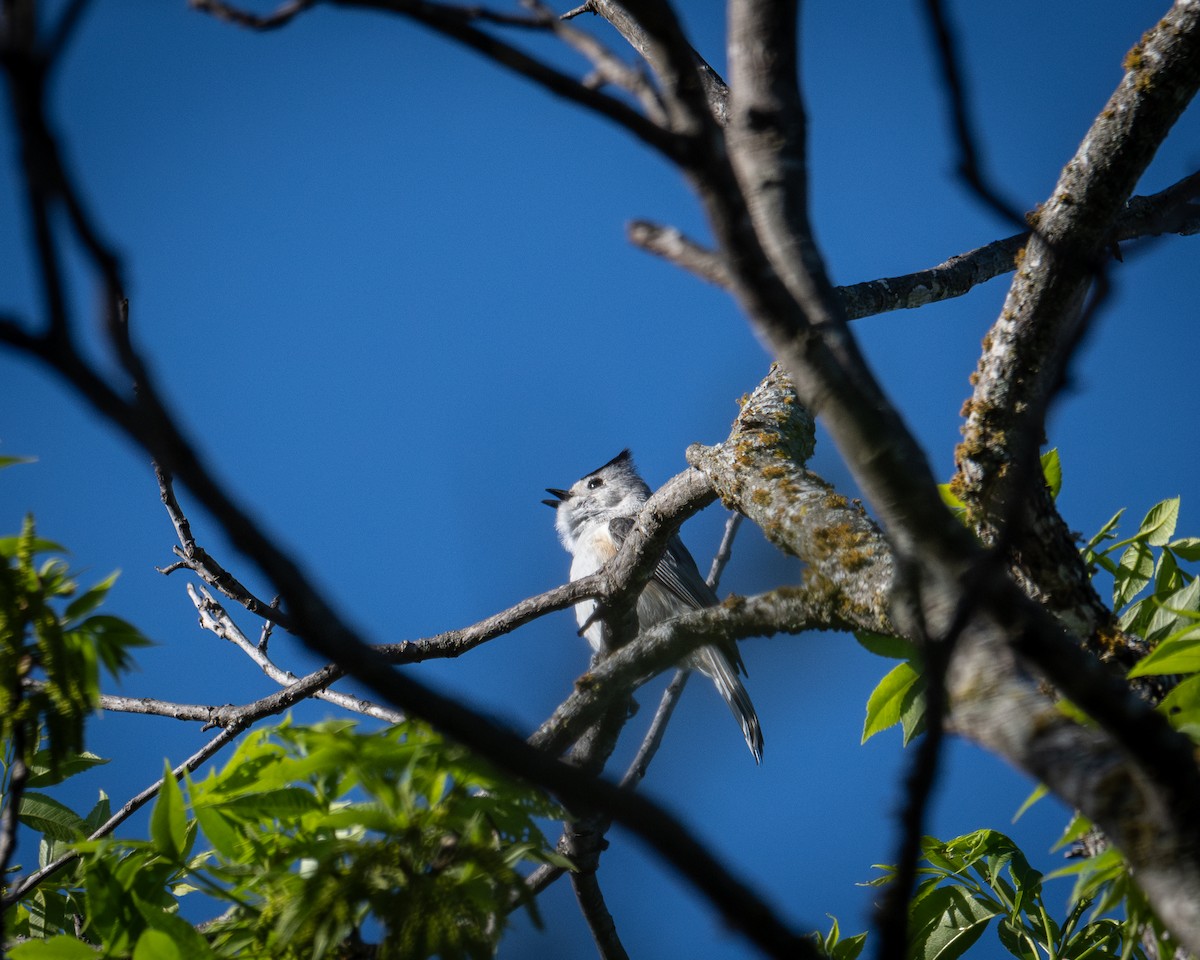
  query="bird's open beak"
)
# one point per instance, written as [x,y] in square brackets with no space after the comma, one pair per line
[561,494]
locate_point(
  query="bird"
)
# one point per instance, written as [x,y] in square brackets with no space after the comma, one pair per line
[593,519]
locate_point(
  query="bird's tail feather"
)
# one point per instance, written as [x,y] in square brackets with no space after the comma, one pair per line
[715,664]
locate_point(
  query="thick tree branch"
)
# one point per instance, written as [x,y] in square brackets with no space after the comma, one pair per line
[1024,351]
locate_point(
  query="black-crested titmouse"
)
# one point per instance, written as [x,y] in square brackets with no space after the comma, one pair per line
[593,518]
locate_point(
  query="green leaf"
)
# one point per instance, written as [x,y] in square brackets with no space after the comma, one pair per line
[1182,706]
[1188,548]
[112,638]
[1158,526]
[269,804]
[9,546]
[1173,613]
[43,774]
[157,945]
[1134,572]
[61,947]
[1178,653]
[1015,939]
[883,645]
[887,701]
[912,713]
[189,943]
[168,820]
[1104,533]
[1052,471]
[13,461]
[84,604]
[957,507]
[98,815]
[46,815]
[1167,576]
[1078,826]
[1038,792]
[946,923]
[848,948]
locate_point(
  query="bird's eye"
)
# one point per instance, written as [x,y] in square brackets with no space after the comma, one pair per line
[594,483]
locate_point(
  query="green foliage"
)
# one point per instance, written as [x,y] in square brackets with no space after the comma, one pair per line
[900,695]
[983,876]
[312,834]
[837,947]
[50,659]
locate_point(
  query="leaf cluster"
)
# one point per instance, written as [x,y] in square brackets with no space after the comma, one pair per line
[50,658]
[983,876]
[313,836]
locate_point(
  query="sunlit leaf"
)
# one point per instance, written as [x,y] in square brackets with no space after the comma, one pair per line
[887,701]
[1052,471]
[158,945]
[947,923]
[1158,526]
[1038,792]
[1177,653]
[1135,570]
[1188,548]
[1182,706]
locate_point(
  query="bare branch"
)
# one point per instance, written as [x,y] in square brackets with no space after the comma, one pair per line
[1040,321]
[281,16]
[214,618]
[458,23]
[670,244]
[195,558]
[207,714]
[970,166]
[724,550]
[1170,211]
[628,25]
[786,610]
[454,643]
[599,920]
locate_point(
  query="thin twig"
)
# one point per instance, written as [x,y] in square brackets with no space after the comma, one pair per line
[725,550]
[970,166]
[195,558]
[214,618]
[457,23]
[279,17]
[20,888]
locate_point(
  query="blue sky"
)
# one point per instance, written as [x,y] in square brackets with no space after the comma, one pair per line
[386,287]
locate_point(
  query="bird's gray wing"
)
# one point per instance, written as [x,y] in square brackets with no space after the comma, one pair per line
[676,570]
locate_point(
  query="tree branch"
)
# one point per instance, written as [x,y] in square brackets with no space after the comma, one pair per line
[1170,211]
[1025,350]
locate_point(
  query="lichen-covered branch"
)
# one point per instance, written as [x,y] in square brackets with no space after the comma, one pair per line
[1026,350]
[760,471]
